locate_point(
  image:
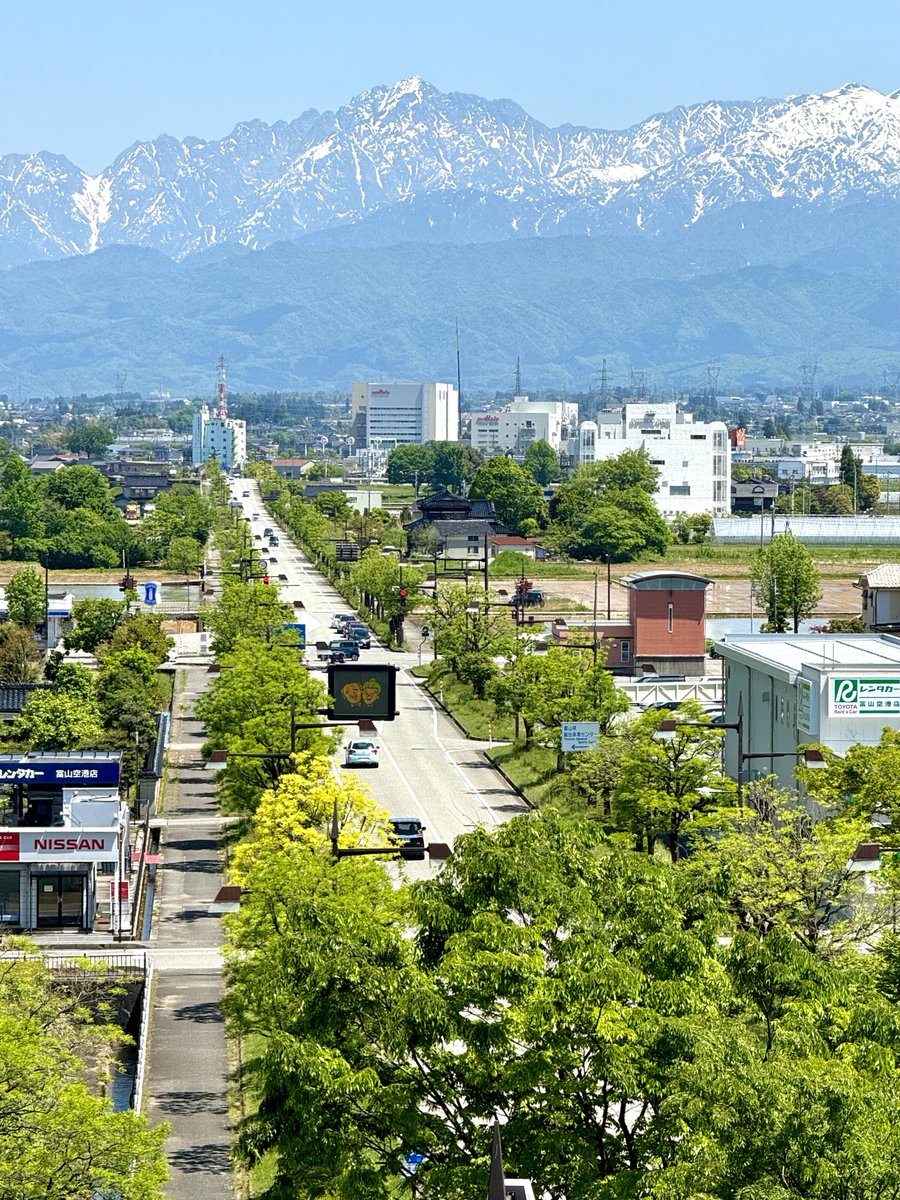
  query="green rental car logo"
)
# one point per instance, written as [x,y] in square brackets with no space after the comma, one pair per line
[846,691]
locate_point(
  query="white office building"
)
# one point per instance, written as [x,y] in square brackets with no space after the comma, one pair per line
[396,414]
[693,458]
[222,438]
[512,429]
[790,690]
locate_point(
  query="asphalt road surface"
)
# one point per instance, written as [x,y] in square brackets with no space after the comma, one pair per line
[428,769]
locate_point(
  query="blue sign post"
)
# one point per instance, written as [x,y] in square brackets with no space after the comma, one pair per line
[300,631]
[151,591]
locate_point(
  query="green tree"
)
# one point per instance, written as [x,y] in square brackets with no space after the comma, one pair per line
[449,470]
[184,556]
[470,634]
[81,487]
[139,631]
[21,507]
[59,1137]
[246,610]
[667,782]
[25,598]
[785,582]
[92,439]
[58,721]
[95,621]
[543,462]
[630,469]
[19,655]
[178,513]
[411,464]
[516,496]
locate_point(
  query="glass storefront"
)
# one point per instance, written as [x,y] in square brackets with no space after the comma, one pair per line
[9,898]
[60,900]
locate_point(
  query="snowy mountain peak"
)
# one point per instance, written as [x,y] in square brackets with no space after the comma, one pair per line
[405,161]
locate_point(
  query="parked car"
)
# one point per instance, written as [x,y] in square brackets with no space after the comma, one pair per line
[340,619]
[360,634]
[346,646]
[246,495]
[361,752]
[534,598]
[409,832]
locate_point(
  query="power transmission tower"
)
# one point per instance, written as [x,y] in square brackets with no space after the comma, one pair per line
[808,372]
[222,390]
[518,391]
[604,385]
[120,386]
[712,381]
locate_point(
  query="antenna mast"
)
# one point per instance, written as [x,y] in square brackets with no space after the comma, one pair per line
[518,391]
[458,368]
[222,390]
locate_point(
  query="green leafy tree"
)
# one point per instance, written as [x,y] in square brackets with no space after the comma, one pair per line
[19,655]
[95,621]
[411,464]
[21,507]
[785,582]
[449,470]
[59,1136]
[542,461]
[26,599]
[516,496]
[92,439]
[179,513]
[58,721]
[246,610]
[630,469]
[184,556]
[139,631]
[81,487]
[667,782]
[470,635]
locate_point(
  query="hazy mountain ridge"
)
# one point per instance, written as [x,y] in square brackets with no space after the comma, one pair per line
[408,160]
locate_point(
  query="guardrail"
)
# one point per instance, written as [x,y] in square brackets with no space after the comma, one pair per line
[704,691]
[143,1039]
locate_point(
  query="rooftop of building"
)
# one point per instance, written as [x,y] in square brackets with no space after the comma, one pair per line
[885,576]
[665,581]
[790,652]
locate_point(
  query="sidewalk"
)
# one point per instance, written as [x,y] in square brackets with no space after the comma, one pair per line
[188,1068]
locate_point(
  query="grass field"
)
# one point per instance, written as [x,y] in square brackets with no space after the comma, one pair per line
[474,715]
[534,771]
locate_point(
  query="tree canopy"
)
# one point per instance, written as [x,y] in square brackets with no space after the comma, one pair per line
[785,582]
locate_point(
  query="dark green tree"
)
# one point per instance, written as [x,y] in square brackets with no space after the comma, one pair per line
[516,496]
[543,462]
[92,439]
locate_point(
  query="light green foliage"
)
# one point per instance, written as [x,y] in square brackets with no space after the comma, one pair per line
[785,582]
[139,631]
[334,504]
[516,496]
[631,468]
[377,576]
[95,621]
[21,504]
[58,721]
[59,1138]
[184,555]
[81,487]
[668,781]
[248,710]
[25,598]
[453,466]
[129,694]
[864,782]
[543,462]
[182,512]
[92,438]
[470,634]
[19,655]
[779,869]
[692,528]
[246,610]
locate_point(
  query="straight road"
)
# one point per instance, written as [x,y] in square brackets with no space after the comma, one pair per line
[428,769]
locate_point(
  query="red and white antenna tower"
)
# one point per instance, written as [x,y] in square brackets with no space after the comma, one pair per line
[222,390]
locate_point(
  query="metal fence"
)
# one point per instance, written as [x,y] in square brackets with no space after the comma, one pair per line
[832,531]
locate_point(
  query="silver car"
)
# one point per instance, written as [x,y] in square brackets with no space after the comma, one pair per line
[361,752]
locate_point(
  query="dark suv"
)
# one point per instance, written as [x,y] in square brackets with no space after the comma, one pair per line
[359,634]
[532,599]
[346,646]
[409,832]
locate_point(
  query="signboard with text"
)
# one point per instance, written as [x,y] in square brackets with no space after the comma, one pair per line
[580,735]
[58,845]
[807,712]
[864,696]
[362,690]
[88,773]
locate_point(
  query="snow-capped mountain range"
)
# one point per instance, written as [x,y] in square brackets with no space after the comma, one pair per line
[407,162]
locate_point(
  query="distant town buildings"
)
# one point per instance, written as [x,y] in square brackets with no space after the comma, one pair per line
[222,438]
[512,429]
[693,458]
[385,415]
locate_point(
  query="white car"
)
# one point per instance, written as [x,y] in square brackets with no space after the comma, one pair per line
[361,752]
[339,620]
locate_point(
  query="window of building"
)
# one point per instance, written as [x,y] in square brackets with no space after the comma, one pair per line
[625,651]
[9,897]
[671,617]
[698,437]
[682,489]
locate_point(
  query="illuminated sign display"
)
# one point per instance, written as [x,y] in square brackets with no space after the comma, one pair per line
[362,690]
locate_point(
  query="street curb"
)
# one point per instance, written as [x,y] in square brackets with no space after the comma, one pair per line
[423,683]
[515,787]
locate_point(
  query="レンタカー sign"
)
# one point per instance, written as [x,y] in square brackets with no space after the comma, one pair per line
[58,845]
[89,773]
[857,696]
[580,735]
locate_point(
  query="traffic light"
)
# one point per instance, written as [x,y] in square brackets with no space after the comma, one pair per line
[402,601]
[265,578]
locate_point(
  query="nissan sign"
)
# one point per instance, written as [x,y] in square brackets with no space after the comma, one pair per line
[58,845]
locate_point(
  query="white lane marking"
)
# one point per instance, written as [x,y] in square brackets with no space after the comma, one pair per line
[426,819]
[456,767]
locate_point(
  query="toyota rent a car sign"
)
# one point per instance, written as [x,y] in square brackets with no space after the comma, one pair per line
[858,696]
[57,844]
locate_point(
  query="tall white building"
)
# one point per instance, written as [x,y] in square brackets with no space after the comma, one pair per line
[222,438]
[397,414]
[518,424]
[693,458]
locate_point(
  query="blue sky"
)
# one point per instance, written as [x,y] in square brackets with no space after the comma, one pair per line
[88,79]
